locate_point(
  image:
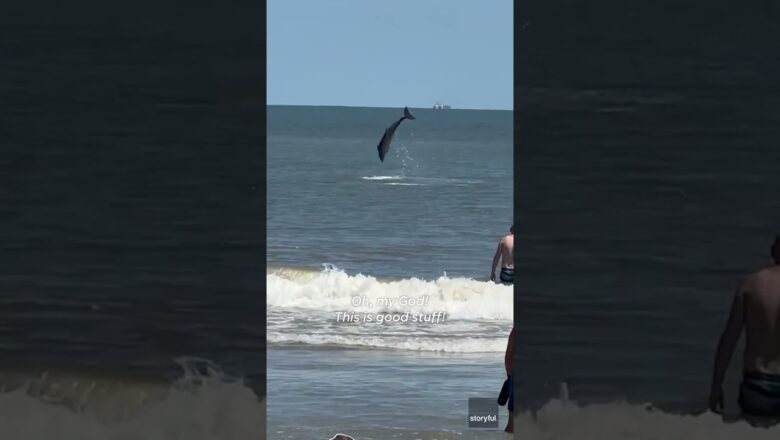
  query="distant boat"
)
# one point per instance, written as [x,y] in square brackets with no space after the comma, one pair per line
[438,106]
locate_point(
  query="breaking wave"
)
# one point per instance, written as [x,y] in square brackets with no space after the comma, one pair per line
[201,404]
[333,290]
[446,315]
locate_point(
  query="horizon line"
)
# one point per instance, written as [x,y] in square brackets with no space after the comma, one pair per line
[378,106]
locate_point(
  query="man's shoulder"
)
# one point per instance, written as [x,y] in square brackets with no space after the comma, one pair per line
[762,277]
[766,273]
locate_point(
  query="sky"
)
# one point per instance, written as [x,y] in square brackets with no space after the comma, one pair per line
[390,53]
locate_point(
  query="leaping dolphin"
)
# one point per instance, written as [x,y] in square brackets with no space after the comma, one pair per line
[384,144]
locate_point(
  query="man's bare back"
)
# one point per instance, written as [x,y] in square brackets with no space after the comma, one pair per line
[507,245]
[756,308]
[761,303]
[505,252]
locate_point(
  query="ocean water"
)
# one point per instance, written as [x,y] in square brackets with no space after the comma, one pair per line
[649,173]
[410,239]
[130,193]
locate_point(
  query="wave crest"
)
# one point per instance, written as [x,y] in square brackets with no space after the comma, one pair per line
[333,290]
[198,406]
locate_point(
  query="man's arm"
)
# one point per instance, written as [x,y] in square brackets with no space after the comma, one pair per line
[495,261]
[509,352]
[726,344]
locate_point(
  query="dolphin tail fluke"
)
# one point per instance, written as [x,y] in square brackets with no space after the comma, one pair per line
[408,115]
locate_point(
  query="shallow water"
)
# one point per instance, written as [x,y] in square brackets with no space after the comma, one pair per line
[421,227]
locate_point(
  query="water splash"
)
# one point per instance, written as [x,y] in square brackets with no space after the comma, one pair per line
[408,163]
[200,372]
[564,393]
[329,267]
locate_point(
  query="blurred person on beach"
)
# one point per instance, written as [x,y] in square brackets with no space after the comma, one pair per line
[756,308]
[508,366]
[505,252]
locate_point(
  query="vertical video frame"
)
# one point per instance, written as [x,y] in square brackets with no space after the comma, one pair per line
[390,219]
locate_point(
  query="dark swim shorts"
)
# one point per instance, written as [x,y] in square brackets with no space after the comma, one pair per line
[507,275]
[511,406]
[759,394]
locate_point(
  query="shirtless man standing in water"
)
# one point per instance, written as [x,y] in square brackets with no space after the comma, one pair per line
[508,358]
[505,252]
[756,307]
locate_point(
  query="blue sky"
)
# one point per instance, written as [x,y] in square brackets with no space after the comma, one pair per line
[390,53]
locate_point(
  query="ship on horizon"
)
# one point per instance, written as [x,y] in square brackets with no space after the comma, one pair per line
[438,106]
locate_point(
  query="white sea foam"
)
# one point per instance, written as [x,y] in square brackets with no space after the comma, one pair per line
[613,421]
[405,343]
[404,180]
[333,290]
[382,178]
[464,316]
[83,407]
